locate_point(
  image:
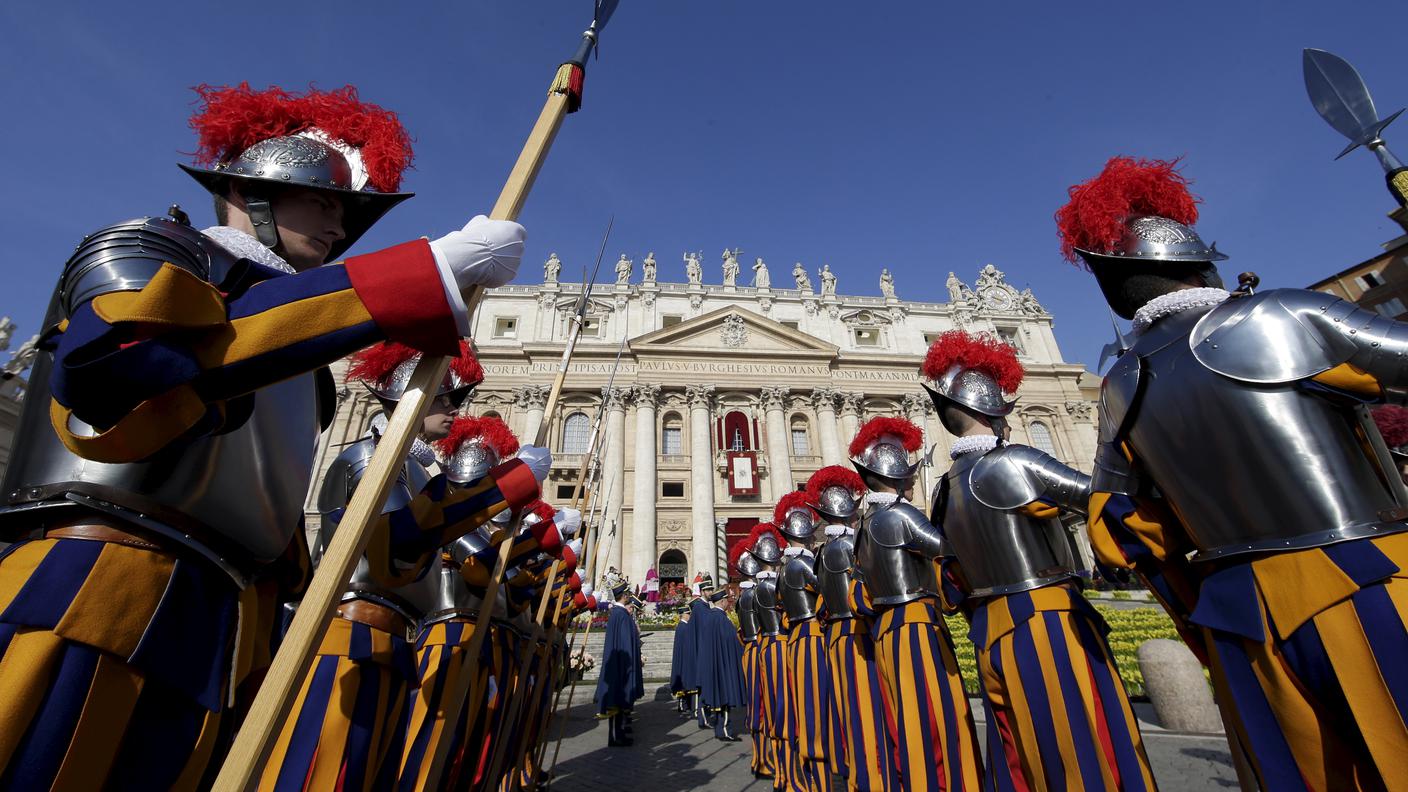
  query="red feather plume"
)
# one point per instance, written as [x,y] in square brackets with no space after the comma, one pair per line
[790,501]
[492,431]
[736,552]
[375,363]
[833,476]
[761,529]
[1095,216]
[981,352]
[1392,421]
[231,120]
[911,437]
[466,366]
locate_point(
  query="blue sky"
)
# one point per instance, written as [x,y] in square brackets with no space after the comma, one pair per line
[924,137]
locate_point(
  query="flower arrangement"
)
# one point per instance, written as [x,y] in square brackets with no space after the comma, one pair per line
[583,661]
[673,595]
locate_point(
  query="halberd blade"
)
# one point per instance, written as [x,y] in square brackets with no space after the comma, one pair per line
[1339,93]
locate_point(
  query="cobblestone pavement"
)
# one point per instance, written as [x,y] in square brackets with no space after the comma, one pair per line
[675,754]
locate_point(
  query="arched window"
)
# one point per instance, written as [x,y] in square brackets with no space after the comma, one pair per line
[576,431]
[672,435]
[1040,436]
[801,441]
[736,432]
[492,414]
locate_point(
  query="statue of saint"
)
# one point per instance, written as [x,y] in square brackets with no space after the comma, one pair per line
[828,280]
[692,270]
[552,269]
[761,278]
[955,288]
[731,266]
[887,284]
[648,268]
[800,275]
[623,270]
[1027,304]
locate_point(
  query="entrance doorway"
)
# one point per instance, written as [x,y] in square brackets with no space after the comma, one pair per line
[673,567]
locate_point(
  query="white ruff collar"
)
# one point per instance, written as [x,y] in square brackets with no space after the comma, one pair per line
[839,530]
[246,246]
[967,445]
[420,450]
[747,584]
[1175,302]
[881,498]
[766,575]
[793,552]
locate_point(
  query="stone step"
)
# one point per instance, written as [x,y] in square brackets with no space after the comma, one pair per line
[657,646]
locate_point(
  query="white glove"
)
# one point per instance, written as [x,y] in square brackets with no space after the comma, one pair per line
[485,253]
[576,545]
[538,460]
[586,590]
[569,521]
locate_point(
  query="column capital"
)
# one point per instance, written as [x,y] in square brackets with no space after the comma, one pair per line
[645,395]
[851,403]
[917,404]
[532,397]
[614,398]
[699,396]
[775,397]
[825,398]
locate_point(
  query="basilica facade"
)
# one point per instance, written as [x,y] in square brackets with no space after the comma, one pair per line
[710,401]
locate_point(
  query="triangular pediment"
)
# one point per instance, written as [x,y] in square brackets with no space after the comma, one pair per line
[732,330]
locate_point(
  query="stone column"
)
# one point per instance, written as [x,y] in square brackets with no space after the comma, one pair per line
[824,402]
[701,478]
[916,409]
[613,400]
[779,450]
[850,417]
[642,553]
[533,399]
[720,572]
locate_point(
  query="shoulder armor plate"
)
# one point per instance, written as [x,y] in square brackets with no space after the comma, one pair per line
[1270,337]
[1005,477]
[125,256]
[343,474]
[1117,395]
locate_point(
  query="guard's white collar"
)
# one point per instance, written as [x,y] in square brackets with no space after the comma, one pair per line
[881,498]
[967,445]
[840,530]
[766,575]
[246,246]
[794,551]
[1175,302]
[747,584]
[420,450]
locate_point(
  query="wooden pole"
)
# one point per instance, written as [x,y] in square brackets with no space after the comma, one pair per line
[271,705]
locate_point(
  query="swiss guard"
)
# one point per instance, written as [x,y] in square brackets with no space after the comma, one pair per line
[1238,465]
[169,435]
[860,747]
[742,561]
[618,686]
[1034,633]
[808,714]
[766,543]
[897,553]
[356,689]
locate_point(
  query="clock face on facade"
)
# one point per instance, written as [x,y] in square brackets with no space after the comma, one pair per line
[997,298]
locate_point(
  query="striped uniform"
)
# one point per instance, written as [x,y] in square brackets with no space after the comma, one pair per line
[772,679]
[936,746]
[867,754]
[349,726]
[115,663]
[1057,713]
[808,716]
[502,678]
[440,655]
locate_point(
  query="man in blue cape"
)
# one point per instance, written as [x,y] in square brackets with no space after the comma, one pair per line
[682,663]
[620,683]
[720,655]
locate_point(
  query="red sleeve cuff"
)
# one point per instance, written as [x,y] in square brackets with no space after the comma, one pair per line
[401,288]
[516,483]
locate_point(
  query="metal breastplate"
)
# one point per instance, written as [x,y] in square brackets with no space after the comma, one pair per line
[1000,551]
[798,601]
[235,498]
[833,574]
[1247,467]
[338,486]
[747,618]
[893,573]
[765,608]
[449,598]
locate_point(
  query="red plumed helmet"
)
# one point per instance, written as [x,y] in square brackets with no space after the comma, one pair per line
[1392,421]
[834,476]
[1095,218]
[386,368]
[983,353]
[910,436]
[231,120]
[736,552]
[790,501]
[491,432]
[765,529]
